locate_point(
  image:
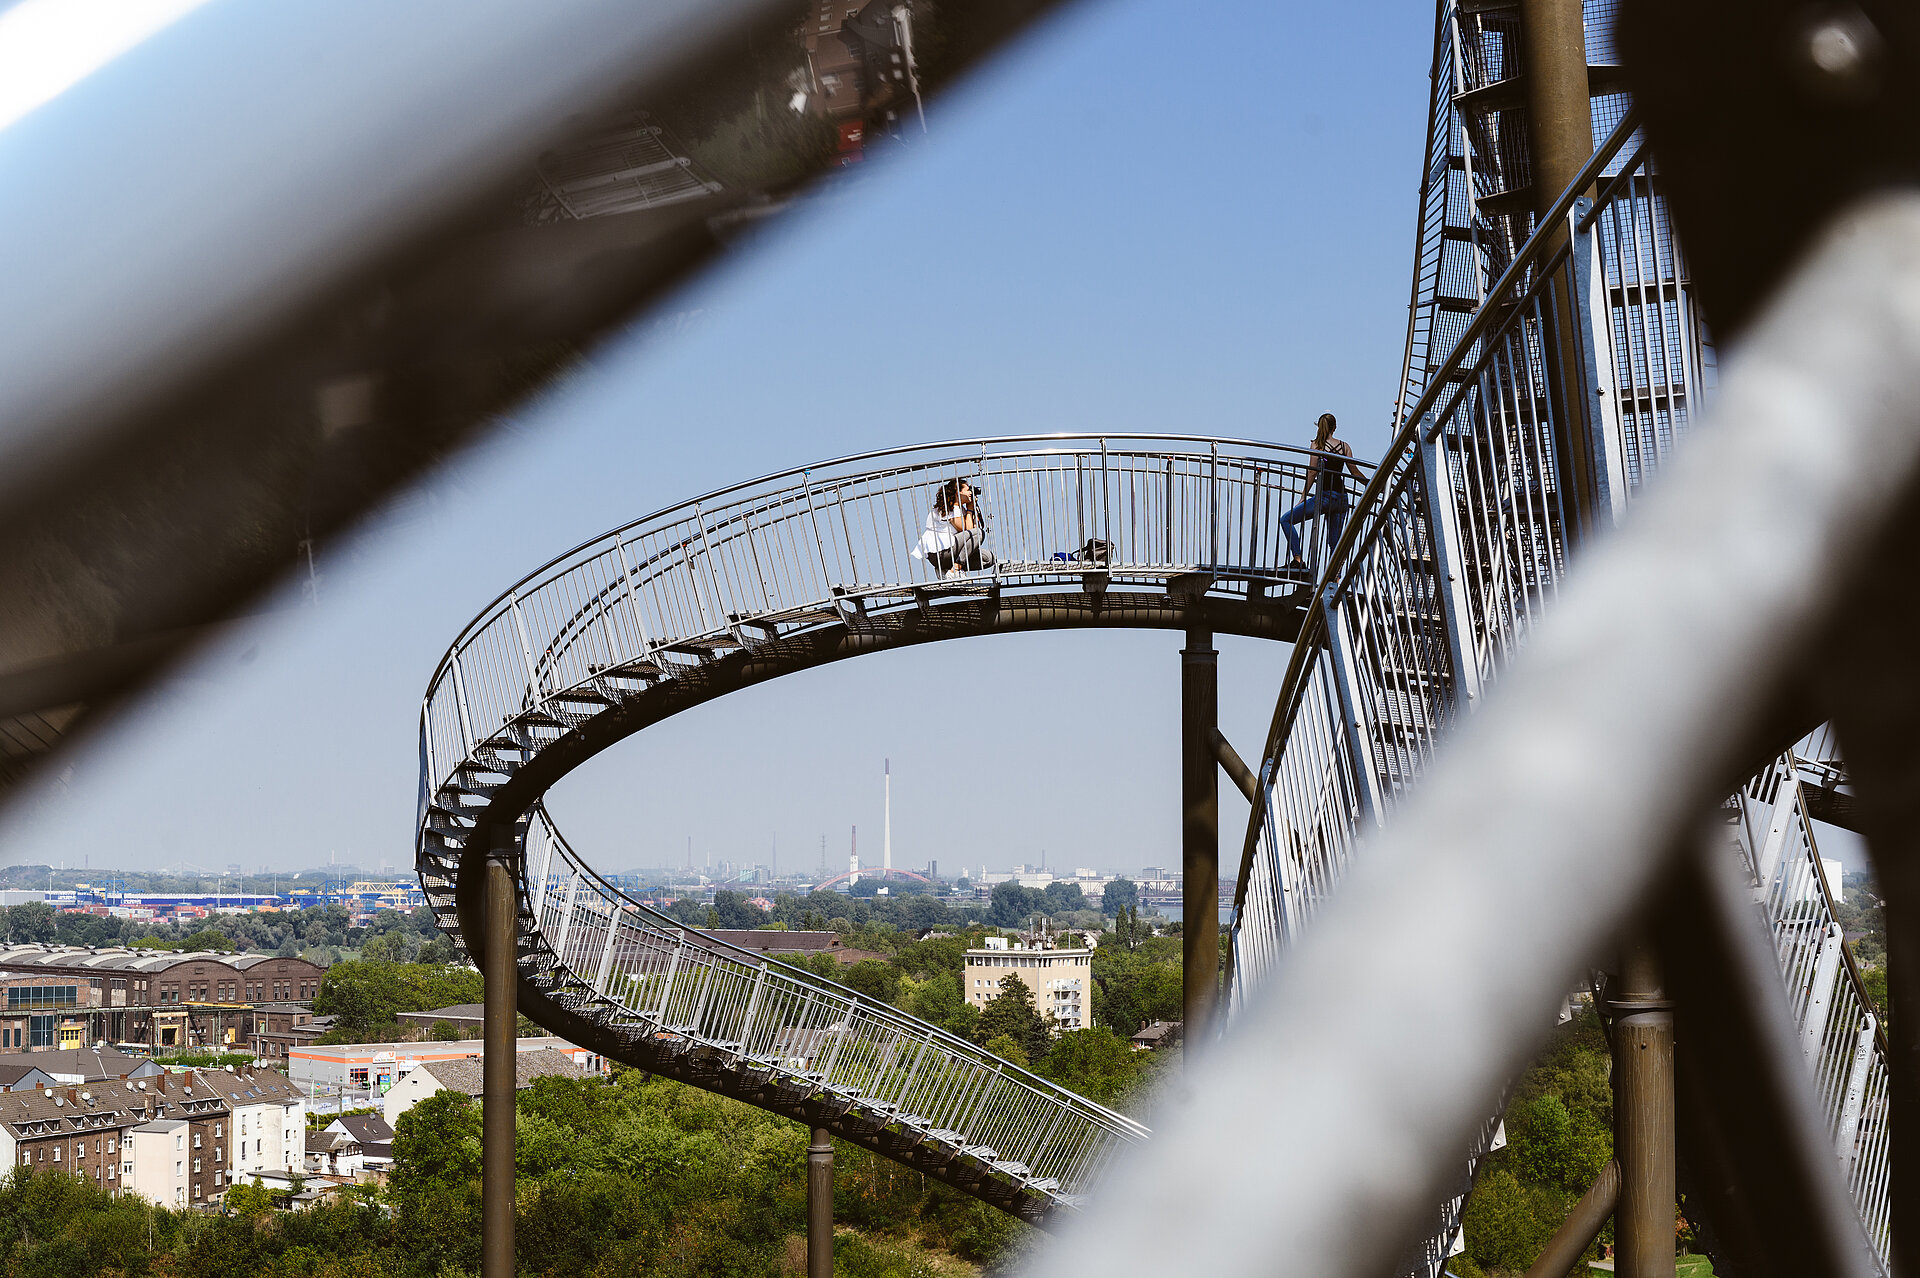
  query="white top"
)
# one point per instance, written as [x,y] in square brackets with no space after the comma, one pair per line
[936,537]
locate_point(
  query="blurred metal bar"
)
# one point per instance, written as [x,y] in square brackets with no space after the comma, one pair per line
[1634,707]
[205,384]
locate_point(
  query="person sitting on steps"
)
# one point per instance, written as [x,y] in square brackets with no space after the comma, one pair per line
[1326,492]
[956,531]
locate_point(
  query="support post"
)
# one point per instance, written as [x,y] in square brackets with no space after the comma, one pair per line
[1643,1117]
[497,1070]
[1560,124]
[1199,835]
[820,1205]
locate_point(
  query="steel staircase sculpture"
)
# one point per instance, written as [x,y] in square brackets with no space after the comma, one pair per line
[781,574]
[1552,362]
[1459,544]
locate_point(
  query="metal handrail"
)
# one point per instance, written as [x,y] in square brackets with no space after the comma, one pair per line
[848,459]
[842,1007]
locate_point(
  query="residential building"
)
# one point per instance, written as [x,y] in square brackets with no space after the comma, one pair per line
[1156,1035]
[156,1160]
[24,1078]
[1061,980]
[70,996]
[378,1066]
[374,1135]
[209,1143]
[78,1130]
[94,1064]
[332,1153]
[169,1137]
[269,1121]
[467,1075]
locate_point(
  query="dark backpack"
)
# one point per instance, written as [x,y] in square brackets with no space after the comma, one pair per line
[1096,551]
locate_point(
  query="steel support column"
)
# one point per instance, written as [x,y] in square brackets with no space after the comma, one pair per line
[1560,125]
[1643,1117]
[497,1070]
[1199,834]
[820,1205]
[1559,106]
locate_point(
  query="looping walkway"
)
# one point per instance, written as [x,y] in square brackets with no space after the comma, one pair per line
[782,574]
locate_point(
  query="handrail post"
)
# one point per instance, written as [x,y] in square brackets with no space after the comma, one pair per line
[1346,683]
[498,1062]
[1449,568]
[1213,515]
[633,603]
[1593,312]
[534,690]
[460,702]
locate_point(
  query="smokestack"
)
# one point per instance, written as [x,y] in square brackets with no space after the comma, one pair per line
[886,840]
[853,858]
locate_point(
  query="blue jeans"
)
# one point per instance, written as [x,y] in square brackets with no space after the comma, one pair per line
[1331,504]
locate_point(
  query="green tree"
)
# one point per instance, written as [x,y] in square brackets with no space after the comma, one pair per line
[939,999]
[1011,905]
[1011,1012]
[444,1032]
[1096,1063]
[1006,1048]
[208,939]
[1062,897]
[1503,1226]
[1539,1131]
[875,979]
[32,924]
[735,911]
[1119,894]
[250,1202]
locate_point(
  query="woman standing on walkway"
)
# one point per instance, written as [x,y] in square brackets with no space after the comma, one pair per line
[1326,491]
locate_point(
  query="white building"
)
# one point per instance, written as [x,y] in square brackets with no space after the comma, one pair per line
[156,1161]
[269,1120]
[1061,980]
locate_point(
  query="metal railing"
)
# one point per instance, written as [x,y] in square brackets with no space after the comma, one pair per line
[792,1034]
[1840,1032]
[1458,546]
[792,550]
[832,545]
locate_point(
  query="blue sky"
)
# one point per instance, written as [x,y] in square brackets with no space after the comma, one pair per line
[1145,218]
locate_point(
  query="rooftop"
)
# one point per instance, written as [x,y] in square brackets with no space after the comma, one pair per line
[468,1075]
